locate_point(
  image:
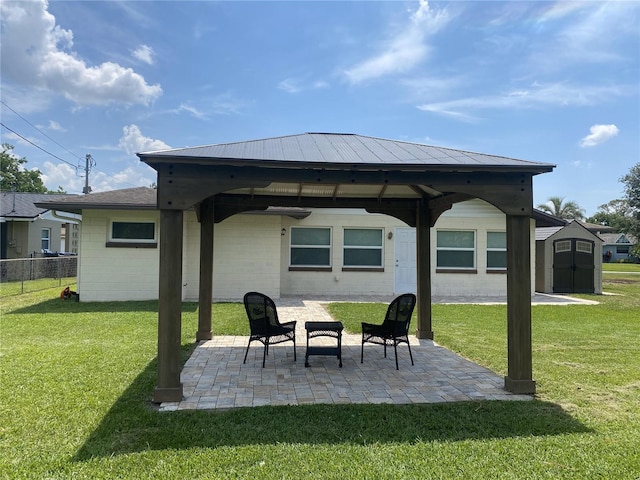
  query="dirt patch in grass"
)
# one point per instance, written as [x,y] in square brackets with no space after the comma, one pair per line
[624,281]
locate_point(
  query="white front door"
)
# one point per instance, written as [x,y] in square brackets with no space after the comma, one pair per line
[405,261]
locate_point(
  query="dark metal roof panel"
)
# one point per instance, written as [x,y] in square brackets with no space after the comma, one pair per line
[340,149]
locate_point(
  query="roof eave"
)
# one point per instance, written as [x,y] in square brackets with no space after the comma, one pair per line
[152,160]
[77,208]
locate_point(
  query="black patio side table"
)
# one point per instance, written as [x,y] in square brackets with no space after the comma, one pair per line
[324,329]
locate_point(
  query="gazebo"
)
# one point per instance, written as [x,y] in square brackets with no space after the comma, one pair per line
[413,182]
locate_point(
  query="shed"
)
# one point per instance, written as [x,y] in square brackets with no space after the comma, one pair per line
[568,260]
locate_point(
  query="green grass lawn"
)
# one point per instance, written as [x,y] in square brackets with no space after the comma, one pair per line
[621,267]
[77,380]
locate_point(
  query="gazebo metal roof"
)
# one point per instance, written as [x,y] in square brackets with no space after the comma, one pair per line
[322,169]
[340,149]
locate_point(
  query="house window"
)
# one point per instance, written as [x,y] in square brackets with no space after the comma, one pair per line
[362,248]
[456,250]
[132,234]
[310,248]
[622,250]
[45,238]
[496,251]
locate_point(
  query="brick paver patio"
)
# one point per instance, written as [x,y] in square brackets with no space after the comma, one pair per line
[214,377]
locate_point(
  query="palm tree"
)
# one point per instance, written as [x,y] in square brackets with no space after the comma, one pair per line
[558,207]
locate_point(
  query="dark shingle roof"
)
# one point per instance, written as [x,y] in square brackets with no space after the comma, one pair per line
[139,198]
[342,149]
[23,205]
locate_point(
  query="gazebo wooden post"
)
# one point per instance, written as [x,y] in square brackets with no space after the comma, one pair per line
[205,297]
[519,378]
[169,388]
[423,256]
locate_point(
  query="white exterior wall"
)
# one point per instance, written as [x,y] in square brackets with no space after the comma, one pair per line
[338,282]
[246,256]
[481,217]
[250,253]
[114,274]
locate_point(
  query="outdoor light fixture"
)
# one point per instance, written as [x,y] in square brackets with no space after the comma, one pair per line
[390,235]
[283,232]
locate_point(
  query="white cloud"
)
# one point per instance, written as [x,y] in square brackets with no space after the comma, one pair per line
[598,135]
[289,85]
[37,53]
[72,181]
[144,53]
[138,175]
[580,38]
[61,175]
[535,96]
[55,126]
[293,85]
[132,141]
[192,110]
[405,50]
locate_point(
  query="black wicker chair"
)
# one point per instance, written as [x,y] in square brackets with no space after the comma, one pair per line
[394,328]
[265,327]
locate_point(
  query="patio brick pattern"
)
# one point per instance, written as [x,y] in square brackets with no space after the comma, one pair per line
[214,377]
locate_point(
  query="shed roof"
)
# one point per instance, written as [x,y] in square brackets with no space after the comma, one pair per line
[542,233]
[342,149]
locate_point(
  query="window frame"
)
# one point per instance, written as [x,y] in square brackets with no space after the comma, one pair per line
[119,242]
[311,267]
[43,239]
[473,250]
[363,268]
[492,269]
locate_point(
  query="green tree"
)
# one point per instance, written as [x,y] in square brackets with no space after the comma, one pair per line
[558,207]
[632,195]
[15,176]
[616,214]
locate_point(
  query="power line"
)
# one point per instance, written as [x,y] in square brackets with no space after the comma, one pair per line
[27,121]
[77,167]
[39,147]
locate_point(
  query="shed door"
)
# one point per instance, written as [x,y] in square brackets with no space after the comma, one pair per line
[573,266]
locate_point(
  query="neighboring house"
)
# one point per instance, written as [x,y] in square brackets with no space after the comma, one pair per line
[27,230]
[617,247]
[288,251]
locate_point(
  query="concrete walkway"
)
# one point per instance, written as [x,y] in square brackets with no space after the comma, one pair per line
[214,377]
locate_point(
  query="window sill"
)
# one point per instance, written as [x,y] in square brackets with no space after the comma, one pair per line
[363,269]
[499,271]
[310,269]
[131,245]
[457,270]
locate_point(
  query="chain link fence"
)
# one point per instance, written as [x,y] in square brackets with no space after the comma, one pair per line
[23,275]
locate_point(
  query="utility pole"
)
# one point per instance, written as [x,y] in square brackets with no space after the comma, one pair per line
[87,168]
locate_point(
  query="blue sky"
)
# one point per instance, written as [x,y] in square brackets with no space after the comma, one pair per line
[555,82]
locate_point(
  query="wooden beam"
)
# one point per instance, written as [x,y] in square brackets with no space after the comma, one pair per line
[423,258]
[205,296]
[169,388]
[182,186]
[519,377]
